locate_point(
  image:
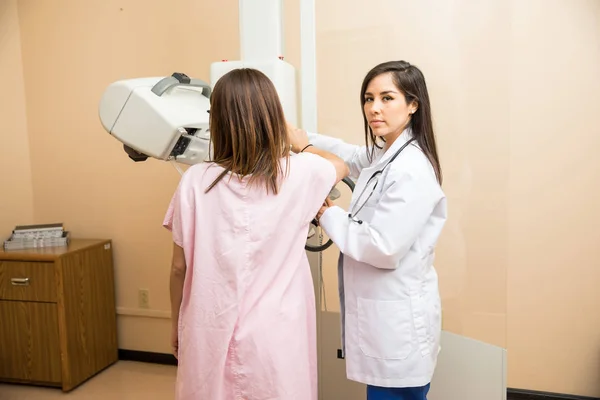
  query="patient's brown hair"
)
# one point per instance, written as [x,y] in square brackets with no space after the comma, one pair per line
[248,128]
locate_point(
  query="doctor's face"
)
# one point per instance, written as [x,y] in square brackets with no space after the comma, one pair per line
[386,108]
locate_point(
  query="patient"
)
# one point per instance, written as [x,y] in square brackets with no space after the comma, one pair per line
[244,323]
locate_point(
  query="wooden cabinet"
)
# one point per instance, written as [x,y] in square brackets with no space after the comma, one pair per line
[57,313]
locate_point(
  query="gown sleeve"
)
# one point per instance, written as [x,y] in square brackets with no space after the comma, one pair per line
[318,178]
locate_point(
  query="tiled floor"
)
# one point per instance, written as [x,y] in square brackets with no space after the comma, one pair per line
[125,380]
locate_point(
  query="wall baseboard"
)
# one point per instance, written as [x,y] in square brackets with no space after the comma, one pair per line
[141,312]
[147,357]
[522,394]
[513,394]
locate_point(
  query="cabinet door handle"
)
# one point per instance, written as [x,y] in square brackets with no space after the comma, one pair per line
[20,281]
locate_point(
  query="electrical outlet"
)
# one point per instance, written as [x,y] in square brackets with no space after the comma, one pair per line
[144,298]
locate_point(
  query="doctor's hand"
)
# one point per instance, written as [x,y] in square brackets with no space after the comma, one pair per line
[298,138]
[328,203]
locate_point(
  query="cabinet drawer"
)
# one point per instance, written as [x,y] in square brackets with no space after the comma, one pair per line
[27,281]
[29,342]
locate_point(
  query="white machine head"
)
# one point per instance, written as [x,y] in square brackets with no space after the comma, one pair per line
[165,118]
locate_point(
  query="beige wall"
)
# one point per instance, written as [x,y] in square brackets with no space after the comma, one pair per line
[553,275]
[514,103]
[16,203]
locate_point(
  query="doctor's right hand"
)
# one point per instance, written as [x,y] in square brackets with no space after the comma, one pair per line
[328,203]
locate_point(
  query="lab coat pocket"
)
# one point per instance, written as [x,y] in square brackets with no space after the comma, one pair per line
[385,328]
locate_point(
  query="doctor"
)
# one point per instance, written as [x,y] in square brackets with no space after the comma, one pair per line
[391,312]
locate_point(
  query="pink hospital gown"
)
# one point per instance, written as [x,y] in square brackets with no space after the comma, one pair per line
[247,326]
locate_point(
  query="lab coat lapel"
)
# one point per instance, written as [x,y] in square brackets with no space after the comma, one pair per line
[402,139]
[360,184]
[379,163]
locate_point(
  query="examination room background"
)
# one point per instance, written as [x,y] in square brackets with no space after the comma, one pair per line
[515,89]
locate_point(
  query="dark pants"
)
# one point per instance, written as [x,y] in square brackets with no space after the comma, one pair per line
[382,393]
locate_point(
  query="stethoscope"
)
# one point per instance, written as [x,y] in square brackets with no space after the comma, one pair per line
[372,182]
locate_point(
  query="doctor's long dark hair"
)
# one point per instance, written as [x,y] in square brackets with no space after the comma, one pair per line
[411,82]
[248,129]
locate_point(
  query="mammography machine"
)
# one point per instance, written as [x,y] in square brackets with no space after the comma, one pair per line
[162,118]
[167,118]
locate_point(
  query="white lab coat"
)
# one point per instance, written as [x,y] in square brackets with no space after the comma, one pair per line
[390,304]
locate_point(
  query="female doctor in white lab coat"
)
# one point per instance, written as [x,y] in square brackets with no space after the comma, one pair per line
[391,312]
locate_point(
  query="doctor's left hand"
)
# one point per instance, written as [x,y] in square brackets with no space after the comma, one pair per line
[298,138]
